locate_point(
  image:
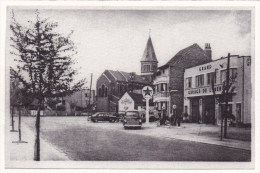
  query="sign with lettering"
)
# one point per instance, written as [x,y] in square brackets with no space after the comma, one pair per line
[203,91]
[126,103]
[206,67]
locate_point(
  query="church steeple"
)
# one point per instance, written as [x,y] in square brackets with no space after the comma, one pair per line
[149,54]
[148,61]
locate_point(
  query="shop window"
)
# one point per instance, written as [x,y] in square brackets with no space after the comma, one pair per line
[200,80]
[186,109]
[188,82]
[238,112]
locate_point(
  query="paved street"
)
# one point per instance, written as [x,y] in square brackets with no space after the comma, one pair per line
[83,140]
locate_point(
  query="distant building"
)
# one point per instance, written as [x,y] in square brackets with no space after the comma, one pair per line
[168,80]
[111,85]
[130,101]
[199,101]
[80,99]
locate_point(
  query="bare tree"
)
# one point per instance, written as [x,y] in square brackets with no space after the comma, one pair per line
[228,89]
[44,63]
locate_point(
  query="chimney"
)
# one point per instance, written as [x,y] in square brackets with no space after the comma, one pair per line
[208,50]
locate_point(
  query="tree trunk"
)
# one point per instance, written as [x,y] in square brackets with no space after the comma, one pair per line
[12,118]
[19,125]
[37,136]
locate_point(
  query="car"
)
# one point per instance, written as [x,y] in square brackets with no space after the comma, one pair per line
[132,119]
[103,116]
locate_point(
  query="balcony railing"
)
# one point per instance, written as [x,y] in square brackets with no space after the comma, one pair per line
[161,94]
[161,79]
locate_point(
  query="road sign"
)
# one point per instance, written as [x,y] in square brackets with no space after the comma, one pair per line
[147,92]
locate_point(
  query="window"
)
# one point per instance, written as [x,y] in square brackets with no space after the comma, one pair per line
[102,91]
[162,87]
[199,80]
[232,74]
[188,82]
[147,68]
[211,77]
[86,94]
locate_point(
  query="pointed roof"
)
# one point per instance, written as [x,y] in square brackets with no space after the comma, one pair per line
[192,51]
[124,77]
[149,54]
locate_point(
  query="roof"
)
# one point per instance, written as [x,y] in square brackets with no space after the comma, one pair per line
[138,98]
[125,77]
[149,54]
[191,51]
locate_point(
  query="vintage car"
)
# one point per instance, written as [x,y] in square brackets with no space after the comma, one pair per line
[132,119]
[103,116]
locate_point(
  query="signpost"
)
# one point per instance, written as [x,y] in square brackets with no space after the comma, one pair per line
[147,92]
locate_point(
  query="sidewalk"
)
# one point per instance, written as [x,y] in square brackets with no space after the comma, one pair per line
[202,133]
[25,151]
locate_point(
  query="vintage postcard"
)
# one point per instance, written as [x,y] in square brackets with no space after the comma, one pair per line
[129,86]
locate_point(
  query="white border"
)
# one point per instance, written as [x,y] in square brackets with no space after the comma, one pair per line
[225,5]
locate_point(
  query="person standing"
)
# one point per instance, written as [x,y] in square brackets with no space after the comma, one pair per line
[173,115]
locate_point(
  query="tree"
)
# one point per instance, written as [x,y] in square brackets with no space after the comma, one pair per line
[227,91]
[44,63]
[18,98]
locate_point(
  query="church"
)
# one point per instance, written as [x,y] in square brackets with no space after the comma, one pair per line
[112,85]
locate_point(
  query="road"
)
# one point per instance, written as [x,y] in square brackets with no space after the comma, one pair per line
[87,141]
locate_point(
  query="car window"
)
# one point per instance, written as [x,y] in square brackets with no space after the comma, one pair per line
[132,115]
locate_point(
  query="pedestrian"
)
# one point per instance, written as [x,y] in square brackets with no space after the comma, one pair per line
[173,115]
[163,114]
[178,119]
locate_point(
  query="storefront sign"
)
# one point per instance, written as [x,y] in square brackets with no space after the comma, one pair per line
[203,91]
[207,67]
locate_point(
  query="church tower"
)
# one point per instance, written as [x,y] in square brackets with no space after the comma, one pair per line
[149,61]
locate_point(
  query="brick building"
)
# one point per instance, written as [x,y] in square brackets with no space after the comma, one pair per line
[111,86]
[199,101]
[168,80]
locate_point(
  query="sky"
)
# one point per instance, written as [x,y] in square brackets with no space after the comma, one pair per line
[116,39]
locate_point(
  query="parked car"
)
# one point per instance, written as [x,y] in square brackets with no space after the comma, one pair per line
[132,119]
[103,116]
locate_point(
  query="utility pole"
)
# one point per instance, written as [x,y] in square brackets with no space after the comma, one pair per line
[226,96]
[90,89]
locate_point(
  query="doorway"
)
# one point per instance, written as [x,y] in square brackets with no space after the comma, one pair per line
[195,113]
[209,110]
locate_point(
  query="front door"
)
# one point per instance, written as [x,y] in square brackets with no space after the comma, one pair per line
[195,113]
[209,110]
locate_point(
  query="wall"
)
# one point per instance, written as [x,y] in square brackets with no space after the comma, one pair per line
[102,102]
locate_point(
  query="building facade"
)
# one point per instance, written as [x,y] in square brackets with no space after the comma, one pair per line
[199,101]
[168,80]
